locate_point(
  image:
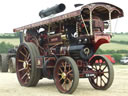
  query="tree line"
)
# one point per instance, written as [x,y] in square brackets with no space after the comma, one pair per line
[4,47]
[10,35]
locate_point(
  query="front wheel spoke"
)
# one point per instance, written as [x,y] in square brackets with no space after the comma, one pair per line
[60,79]
[102,80]
[65,67]
[104,67]
[69,82]
[96,66]
[64,83]
[63,64]
[105,76]
[100,66]
[97,80]
[69,72]
[71,75]
[94,77]
[105,72]
[65,86]
[59,74]
[61,70]
[93,68]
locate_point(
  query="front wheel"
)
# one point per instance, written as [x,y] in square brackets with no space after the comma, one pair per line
[66,75]
[104,73]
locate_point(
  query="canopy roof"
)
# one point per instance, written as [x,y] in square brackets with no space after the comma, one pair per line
[98,8]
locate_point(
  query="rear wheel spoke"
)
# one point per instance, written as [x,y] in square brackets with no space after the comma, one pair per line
[26,50]
[28,57]
[21,69]
[21,60]
[24,76]
[23,54]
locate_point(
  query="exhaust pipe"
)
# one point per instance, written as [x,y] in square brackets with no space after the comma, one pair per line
[53,10]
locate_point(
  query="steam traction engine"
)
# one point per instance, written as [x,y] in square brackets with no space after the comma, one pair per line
[61,47]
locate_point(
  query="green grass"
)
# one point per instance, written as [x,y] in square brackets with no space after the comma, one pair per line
[13,41]
[114,46]
[120,37]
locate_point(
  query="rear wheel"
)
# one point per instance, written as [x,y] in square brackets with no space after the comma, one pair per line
[66,75]
[104,73]
[4,63]
[0,62]
[27,73]
[12,65]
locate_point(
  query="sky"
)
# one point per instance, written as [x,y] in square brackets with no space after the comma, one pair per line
[17,13]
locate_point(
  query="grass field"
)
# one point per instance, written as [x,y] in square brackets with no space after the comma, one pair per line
[114,46]
[13,41]
[120,37]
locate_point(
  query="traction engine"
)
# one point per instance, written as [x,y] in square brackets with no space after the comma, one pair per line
[61,47]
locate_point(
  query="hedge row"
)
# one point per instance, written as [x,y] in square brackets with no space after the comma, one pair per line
[117,57]
[100,51]
[120,42]
[117,54]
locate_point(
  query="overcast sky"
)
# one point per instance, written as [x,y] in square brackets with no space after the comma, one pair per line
[17,13]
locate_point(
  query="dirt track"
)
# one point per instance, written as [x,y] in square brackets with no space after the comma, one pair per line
[9,86]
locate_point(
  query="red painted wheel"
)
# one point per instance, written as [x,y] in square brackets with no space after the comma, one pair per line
[27,73]
[104,73]
[66,75]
